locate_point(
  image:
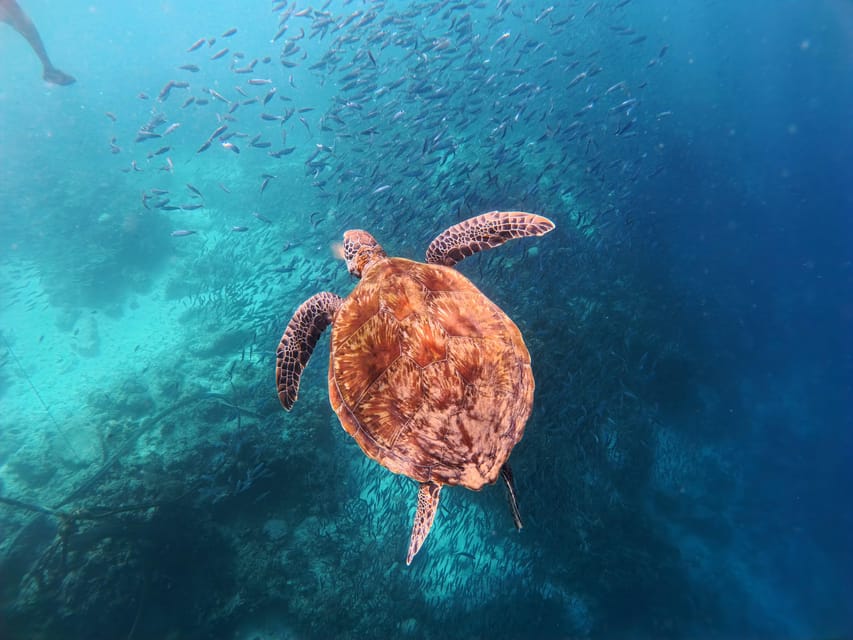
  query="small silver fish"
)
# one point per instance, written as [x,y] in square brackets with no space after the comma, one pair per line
[261,217]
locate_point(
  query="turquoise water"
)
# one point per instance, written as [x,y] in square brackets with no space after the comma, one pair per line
[682,474]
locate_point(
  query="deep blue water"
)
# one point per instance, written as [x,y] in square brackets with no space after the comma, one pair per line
[690,320]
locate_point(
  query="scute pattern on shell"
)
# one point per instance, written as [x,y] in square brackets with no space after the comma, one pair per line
[428,375]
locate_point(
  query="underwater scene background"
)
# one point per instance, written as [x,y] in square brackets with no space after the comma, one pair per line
[684,470]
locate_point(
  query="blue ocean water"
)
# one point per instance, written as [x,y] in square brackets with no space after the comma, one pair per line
[684,469]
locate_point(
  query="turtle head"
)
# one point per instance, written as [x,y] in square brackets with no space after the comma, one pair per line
[360,251]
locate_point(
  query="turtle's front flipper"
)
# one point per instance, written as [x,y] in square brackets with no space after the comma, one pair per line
[427,505]
[298,341]
[506,474]
[484,232]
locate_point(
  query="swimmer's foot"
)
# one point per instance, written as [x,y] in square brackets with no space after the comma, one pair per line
[55,76]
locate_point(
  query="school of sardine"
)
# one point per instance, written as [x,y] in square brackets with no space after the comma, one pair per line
[437,108]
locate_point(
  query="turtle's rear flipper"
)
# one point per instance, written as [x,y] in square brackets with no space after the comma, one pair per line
[427,505]
[506,474]
[483,232]
[299,340]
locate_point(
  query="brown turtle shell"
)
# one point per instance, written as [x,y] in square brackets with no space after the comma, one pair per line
[428,375]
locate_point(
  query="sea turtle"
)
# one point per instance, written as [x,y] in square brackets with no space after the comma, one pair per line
[429,376]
